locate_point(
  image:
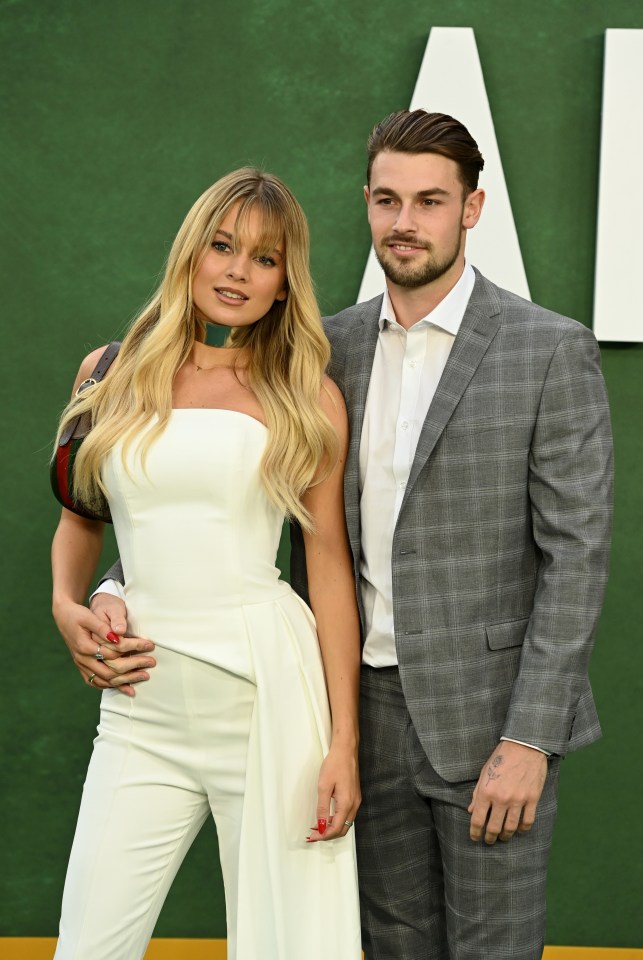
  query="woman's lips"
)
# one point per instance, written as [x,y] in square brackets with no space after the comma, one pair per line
[231,297]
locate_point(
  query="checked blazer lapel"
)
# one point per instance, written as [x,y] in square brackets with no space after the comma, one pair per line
[358,366]
[478,328]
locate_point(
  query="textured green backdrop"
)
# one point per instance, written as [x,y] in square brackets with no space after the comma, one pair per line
[116,116]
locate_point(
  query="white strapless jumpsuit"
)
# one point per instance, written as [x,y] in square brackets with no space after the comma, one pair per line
[234,718]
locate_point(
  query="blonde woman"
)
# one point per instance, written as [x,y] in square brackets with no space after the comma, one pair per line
[250,710]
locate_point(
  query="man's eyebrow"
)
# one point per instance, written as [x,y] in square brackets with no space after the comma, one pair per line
[430,192]
[386,191]
[433,192]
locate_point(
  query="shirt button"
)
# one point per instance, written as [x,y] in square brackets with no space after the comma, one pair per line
[405,425]
[402,484]
[412,363]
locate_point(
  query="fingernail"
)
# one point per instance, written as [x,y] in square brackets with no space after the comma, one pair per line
[113,637]
[310,840]
[148,647]
[321,826]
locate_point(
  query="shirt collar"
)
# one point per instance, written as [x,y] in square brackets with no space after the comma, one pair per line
[449,312]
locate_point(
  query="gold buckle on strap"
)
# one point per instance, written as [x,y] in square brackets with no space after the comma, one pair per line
[86,383]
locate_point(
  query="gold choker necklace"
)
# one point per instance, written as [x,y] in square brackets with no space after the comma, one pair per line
[221,365]
[199,369]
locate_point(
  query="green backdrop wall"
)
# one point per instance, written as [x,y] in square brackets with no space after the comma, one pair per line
[116,116]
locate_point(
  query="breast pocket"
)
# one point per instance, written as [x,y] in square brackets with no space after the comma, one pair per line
[471,428]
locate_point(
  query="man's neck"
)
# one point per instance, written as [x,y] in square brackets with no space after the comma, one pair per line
[413,303]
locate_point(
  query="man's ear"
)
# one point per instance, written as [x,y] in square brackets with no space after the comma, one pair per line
[473,205]
[367,197]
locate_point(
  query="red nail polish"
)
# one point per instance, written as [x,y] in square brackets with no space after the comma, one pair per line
[113,637]
[321,826]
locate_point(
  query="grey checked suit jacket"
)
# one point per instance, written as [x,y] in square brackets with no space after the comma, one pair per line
[500,552]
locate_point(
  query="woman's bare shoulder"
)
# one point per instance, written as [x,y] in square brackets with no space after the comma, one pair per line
[331,400]
[87,366]
[333,405]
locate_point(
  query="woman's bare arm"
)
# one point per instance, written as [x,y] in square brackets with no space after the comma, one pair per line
[75,553]
[333,600]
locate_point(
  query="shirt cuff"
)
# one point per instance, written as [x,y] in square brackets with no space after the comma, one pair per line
[113,587]
[521,742]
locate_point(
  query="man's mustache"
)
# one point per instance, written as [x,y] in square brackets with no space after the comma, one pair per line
[411,241]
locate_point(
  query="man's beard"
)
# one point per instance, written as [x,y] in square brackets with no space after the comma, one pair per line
[406,274]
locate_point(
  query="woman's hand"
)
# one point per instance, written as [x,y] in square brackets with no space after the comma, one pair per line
[104,658]
[339,780]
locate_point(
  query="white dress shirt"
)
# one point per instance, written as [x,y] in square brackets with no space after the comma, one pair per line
[407,368]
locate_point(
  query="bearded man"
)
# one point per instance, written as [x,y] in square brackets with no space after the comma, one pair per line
[478,492]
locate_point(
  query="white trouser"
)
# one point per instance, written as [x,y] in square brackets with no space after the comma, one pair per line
[162,760]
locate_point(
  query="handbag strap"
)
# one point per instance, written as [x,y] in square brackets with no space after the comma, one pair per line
[105,361]
[108,355]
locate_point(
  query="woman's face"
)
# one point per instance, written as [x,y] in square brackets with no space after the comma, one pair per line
[237,284]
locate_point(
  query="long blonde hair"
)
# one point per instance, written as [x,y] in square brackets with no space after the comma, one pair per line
[287,349]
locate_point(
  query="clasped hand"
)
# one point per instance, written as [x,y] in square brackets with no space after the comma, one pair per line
[122,661]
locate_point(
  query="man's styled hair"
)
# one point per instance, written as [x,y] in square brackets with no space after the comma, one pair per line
[416,131]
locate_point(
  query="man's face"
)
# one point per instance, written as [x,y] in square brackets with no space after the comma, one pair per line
[419,211]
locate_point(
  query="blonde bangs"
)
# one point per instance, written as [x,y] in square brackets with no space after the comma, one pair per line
[271,229]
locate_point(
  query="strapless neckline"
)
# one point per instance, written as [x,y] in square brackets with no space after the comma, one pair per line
[238,413]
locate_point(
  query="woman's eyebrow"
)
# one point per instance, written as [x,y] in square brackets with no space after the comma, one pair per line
[230,236]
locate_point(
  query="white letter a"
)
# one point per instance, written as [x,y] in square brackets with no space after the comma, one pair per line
[450,81]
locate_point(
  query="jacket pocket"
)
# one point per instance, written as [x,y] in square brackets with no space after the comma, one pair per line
[471,427]
[510,634]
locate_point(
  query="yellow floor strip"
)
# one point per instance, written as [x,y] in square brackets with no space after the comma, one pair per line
[42,948]
[592,953]
[189,950]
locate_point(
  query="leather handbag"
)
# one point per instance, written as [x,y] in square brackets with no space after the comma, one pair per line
[61,470]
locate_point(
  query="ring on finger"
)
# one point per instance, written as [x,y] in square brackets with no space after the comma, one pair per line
[91,678]
[349,823]
[98,655]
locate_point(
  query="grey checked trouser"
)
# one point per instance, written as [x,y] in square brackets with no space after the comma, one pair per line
[427,891]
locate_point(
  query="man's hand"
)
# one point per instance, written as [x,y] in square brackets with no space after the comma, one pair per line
[507,793]
[122,661]
[111,610]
